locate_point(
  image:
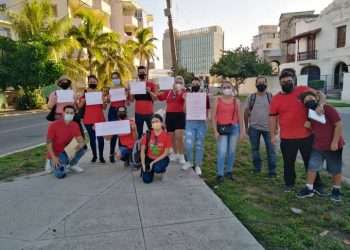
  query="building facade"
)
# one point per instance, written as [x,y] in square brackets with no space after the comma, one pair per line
[267,45]
[322,48]
[196,49]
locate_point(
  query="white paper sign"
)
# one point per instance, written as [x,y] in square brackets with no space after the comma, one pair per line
[166,83]
[196,106]
[316,117]
[117,95]
[65,96]
[137,88]
[303,80]
[93,98]
[113,128]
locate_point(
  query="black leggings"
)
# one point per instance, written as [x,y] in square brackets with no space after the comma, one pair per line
[100,140]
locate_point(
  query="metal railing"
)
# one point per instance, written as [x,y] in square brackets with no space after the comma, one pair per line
[290,58]
[307,55]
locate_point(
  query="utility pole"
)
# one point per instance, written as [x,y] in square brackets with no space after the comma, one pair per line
[167,13]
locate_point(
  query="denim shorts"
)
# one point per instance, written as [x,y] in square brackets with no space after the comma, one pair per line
[334,161]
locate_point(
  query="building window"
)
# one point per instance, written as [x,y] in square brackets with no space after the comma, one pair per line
[341,36]
[269,45]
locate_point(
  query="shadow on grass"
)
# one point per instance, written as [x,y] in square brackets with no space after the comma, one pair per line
[261,205]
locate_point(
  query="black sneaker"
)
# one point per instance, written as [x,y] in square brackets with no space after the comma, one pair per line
[229,176]
[112,159]
[305,193]
[126,164]
[288,189]
[220,179]
[320,191]
[336,195]
[94,159]
[102,160]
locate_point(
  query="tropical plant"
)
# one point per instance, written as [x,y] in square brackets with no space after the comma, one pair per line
[240,64]
[144,47]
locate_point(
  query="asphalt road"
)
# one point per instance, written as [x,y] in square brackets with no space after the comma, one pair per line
[18,132]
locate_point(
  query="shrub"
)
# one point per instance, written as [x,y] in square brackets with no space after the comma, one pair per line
[30,100]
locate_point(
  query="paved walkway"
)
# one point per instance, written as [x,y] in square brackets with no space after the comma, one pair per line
[108,207]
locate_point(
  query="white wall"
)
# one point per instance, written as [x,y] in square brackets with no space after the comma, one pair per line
[249,86]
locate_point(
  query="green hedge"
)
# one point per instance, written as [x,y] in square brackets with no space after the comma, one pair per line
[317,84]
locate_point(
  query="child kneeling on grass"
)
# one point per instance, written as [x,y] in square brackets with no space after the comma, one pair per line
[155,150]
[328,146]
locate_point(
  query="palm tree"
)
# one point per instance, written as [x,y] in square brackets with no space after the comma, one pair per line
[144,47]
[92,39]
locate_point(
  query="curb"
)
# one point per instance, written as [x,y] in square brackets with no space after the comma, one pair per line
[21,113]
[22,150]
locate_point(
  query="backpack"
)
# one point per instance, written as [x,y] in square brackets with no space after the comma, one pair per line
[252,100]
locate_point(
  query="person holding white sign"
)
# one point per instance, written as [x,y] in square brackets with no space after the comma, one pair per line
[195,133]
[228,125]
[175,120]
[144,102]
[120,101]
[94,114]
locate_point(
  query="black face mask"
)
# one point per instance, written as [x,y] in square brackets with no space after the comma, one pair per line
[195,88]
[288,87]
[64,85]
[142,76]
[92,86]
[122,116]
[261,87]
[312,104]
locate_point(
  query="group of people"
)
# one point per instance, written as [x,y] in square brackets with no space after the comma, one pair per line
[177,138]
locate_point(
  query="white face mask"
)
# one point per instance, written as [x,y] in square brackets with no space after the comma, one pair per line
[227,92]
[116,81]
[68,117]
[178,86]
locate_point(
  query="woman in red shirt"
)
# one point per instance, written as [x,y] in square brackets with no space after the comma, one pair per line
[158,144]
[93,114]
[228,125]
[113,109]
[175,116]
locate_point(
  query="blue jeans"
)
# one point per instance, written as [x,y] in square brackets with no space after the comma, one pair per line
[125,153]
[60,171]
[194,137]
[92,137]
[254,136]
[112,116]
[140,120]
[226,152]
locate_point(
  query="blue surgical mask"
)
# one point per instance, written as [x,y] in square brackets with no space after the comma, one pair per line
[116,81]
[68,117]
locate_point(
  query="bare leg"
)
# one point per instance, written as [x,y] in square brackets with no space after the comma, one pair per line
[311,177]
[179,137]
[337,179]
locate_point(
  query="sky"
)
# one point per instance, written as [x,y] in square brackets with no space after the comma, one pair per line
[239,19]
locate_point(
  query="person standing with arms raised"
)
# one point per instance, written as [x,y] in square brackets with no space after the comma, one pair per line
[144,102]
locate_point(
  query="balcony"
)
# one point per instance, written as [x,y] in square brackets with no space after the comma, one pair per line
[308,55]
[290,58]
[130,23]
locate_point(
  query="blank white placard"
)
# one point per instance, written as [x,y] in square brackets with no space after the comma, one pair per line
[93,98]
[117,95]
[65,96]
[196,106]
[137,87]
[113,128]
[166,83]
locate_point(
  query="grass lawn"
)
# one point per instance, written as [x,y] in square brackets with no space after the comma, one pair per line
[262,206]
[23,163]
[338,104]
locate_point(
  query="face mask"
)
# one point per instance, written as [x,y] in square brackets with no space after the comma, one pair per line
[92,86]
[227,92]
[68,117]
[312,104]
[64,85]
[122,116]
[157,126]
[261,87]
[287,87]
[116,81]
[196,88]
[142,76]
[178,86]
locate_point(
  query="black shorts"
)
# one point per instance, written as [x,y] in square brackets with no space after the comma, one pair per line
[175,121]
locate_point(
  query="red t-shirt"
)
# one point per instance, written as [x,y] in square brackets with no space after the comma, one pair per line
[128,140]
[144,103]
[61,134]
[324,132]
[291,113]
[175,101]
[227,113]
[157,144]
[93,114]
[118,104]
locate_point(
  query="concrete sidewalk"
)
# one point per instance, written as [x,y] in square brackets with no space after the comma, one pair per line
[108,207]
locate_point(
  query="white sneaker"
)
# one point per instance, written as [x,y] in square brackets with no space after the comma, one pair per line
[173,157]
[48,168]
[198,171]
[77,169]
[181,159]
[186,166]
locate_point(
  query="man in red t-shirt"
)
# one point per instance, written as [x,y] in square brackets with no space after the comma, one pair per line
[60,134]
[144,103]
[291,114]
[328,146]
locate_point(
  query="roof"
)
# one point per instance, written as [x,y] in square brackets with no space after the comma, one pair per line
[304,34]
